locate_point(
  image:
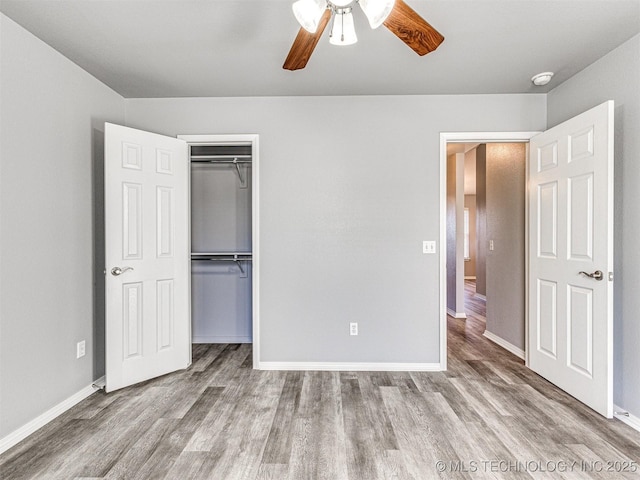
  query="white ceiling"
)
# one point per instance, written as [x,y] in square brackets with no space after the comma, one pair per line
[176,48]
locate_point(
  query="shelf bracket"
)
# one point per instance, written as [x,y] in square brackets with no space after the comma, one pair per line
[239,264]
[243,180]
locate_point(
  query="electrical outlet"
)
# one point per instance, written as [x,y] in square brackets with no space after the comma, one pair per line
[353,328]
[80,349]
[491,245]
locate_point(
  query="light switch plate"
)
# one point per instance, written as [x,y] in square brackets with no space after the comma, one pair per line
[428,246]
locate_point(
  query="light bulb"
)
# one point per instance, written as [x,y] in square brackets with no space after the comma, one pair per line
[308,13]
[376,11]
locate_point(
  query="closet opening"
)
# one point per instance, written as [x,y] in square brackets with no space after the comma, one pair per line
[222,231]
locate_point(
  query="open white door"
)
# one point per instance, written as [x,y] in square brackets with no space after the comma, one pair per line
[571,257]
[147,256]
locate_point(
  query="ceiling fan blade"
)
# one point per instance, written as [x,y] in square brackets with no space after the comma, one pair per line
[412,29]
[304,44]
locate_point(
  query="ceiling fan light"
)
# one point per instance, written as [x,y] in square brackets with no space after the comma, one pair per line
[376,11]
[344,31]
[308,13]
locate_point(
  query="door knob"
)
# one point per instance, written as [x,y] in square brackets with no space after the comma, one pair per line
[597,275]
[115,271]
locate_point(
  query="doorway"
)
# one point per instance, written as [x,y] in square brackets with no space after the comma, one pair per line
[475,141]
[224,239]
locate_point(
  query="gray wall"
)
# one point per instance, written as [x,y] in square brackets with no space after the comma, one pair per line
[616,76]
[470,265]
[506,184]
[481,219]
[52,115]
[344,211]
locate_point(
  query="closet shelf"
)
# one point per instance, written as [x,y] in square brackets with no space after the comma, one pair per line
[236,257]
[220,254]
[221,158]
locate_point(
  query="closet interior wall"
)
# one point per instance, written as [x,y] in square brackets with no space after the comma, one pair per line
[221,273]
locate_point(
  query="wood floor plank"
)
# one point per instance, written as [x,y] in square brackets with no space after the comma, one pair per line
[427,381]
[422,447]
[332,447]
[307,428]
[273,471]
[217,418]
[490,447]
[375,411]
[466,448]
[393,466]
[359,432]
[116,436]
[186,466]
[135,457]
[253,434]
[304,454]
[238,440]
[278,448]
[459,403]
[171,447]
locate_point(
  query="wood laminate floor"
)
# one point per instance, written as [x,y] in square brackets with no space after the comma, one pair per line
[475,306]
[486,417]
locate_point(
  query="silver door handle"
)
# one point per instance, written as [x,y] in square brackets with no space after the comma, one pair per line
[597,275]
[115,271]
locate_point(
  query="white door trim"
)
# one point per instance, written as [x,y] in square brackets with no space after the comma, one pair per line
[468,137]
[255,223]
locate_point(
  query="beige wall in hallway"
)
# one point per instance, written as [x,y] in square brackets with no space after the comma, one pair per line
[470,265]
[506,187]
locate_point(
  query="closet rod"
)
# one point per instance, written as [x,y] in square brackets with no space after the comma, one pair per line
[230,162]
[220,254]
[221,259]
[230,158]
[237,259]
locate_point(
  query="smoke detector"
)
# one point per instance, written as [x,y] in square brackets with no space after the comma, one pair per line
[542,78]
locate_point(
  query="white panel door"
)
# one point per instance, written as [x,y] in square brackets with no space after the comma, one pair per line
[147,256]
[571,257]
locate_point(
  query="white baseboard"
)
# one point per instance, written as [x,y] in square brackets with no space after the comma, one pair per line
[23,432]
[518,352]
[221,339]
[479,295]
[453,314]
[351,366]
[631,420]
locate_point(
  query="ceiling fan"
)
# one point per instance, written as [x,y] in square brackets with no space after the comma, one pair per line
[396,15]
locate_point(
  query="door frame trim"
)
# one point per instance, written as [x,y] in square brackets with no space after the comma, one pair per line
[253,138]
[474,137]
